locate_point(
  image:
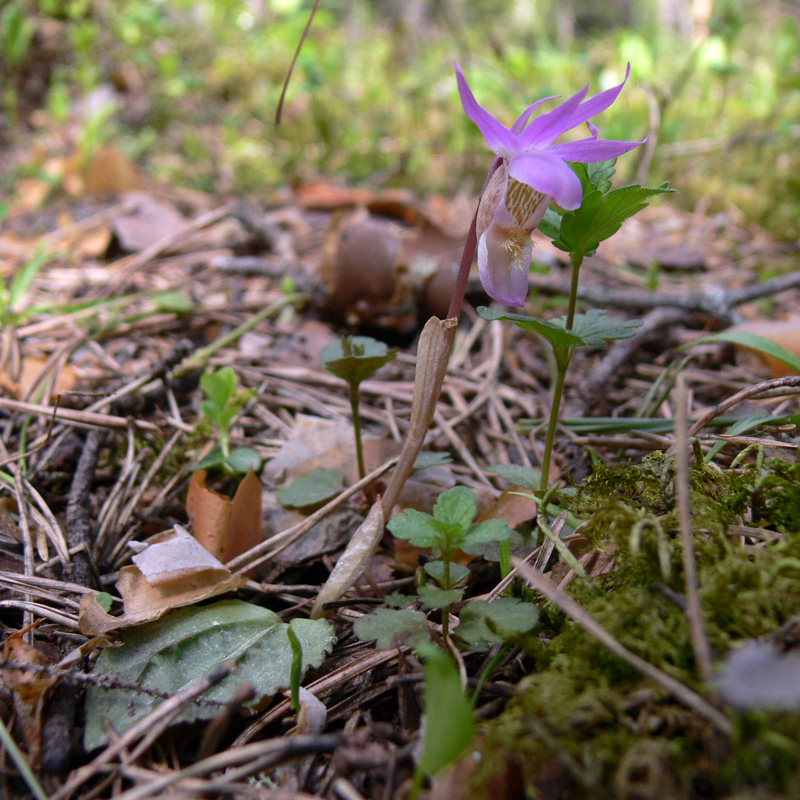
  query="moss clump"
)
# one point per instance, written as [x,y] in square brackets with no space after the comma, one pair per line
[584,724]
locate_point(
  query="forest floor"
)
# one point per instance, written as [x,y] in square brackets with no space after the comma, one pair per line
[122,303]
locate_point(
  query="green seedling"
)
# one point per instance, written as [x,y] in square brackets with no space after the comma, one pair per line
[354,359]
[451,527]
[13,292]
[449,726]
[221,406]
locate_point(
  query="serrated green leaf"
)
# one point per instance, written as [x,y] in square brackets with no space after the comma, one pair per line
[436,570]
[178,650]
[490,530]
[434,597]
[243,459]
[317,487]
[492,623]
[416,527]
[555,333]
[389,627]
[601,216]
[595,327]
[595,176]
[398,600]
[355,358]
[449,727]
[219,387]
[527,477]
[753,341]
[456,507]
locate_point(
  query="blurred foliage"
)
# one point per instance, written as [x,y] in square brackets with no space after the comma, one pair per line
[189,88]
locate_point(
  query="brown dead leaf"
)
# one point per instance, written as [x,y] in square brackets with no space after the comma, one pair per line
[31,371]
[318,443]
[785,332]
[30,687]
[111,172]
[511,507]
[226,528]
[177,571]
[31,193]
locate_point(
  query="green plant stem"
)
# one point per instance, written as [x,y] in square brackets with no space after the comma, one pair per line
[357,428]
[446,610]
[562,362]
[486,674]
[562,365]
[575,260]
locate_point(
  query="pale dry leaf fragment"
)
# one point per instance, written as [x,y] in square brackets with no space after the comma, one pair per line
[353,561]
[173,571]
[177,561]
[313,714]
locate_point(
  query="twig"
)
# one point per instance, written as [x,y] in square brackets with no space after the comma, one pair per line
[79,527]
[678,690]
[271,547]
[750,391]
[694,612]
[713,300]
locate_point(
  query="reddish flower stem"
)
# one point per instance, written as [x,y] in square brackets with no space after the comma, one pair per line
[467,257]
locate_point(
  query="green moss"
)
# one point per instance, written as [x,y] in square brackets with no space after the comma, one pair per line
[584,724]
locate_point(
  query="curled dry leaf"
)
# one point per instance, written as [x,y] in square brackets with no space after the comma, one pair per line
[30,687]
[226,528]
[173,571]
[353,561]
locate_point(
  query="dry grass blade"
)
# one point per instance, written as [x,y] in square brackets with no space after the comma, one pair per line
[678,690]
[694,613]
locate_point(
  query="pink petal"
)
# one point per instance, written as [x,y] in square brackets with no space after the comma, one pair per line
[503,280]
[600,102]
[548,174]
[551,125]
[587,151]
[523,118]
[499,138]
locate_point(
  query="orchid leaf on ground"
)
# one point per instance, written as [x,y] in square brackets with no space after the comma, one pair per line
[176,651]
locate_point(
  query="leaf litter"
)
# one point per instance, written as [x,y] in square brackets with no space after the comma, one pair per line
[113,355]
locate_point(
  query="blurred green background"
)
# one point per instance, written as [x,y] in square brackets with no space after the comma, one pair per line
[188,89]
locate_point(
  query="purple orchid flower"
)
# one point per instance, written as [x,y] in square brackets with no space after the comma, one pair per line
[532,173]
